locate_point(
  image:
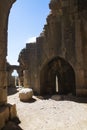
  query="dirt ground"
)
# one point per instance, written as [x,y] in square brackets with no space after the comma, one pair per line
[50,112]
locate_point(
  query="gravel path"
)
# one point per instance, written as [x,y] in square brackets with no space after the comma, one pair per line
[55,113]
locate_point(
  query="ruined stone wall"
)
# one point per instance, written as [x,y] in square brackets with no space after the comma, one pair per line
[30,71]
[63,36]
[30,60]
[6,111]
[80,47]
[5,6]
[82,23]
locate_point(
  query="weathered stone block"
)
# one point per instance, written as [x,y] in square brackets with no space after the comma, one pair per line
[26,76]
[2,121]
[25,94]
[13,112]
[3,96]
[4,116]
[81,92]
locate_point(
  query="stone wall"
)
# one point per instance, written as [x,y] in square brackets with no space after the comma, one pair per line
[4,13]
[5,110]
[63,36]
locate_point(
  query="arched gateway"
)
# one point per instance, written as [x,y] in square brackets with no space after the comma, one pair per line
[57,76]
[5,6]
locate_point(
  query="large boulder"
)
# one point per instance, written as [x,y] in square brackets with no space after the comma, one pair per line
[25,94]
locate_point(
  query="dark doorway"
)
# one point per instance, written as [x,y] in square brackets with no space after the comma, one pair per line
[57,77]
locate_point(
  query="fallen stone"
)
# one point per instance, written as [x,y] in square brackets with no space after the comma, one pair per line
[25,94]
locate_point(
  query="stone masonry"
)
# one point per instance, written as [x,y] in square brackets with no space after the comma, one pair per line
[60,50]
[5,6]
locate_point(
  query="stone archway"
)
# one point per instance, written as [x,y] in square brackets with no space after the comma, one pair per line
[61,69]
[5,6]
[12,79]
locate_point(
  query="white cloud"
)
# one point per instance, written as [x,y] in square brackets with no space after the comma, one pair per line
[31,40]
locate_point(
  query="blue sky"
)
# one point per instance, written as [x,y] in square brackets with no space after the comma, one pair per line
[26,20]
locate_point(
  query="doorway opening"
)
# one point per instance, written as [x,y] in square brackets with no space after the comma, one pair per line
[14,78]
[57,76]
